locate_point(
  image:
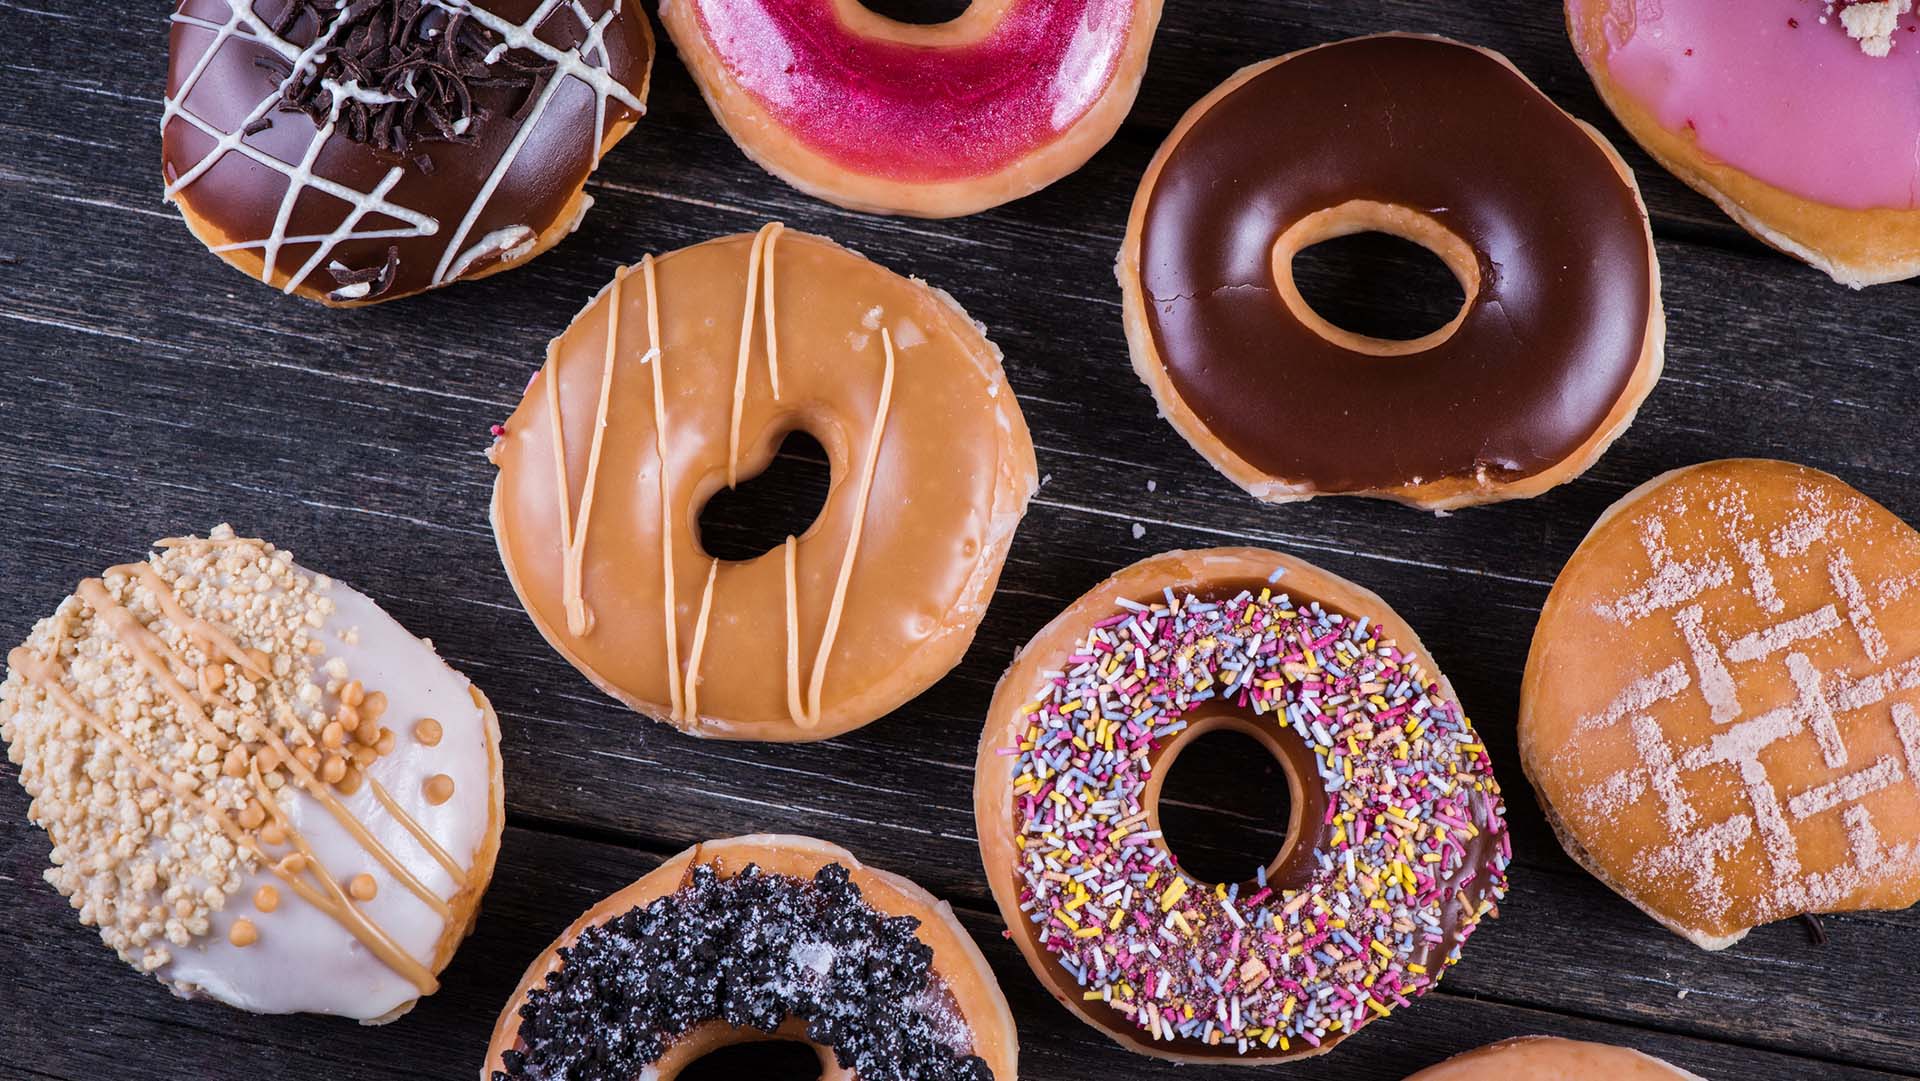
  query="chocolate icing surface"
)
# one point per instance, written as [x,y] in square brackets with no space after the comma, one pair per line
[370,215]
[1548,343]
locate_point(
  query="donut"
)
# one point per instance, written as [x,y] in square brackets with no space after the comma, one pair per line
[1758,106]
[1397,846]
[933,121]
[1549,1058]
[258,786]
[754,938]
[359,152]
[760,335]
[1721,708]
[1442,144]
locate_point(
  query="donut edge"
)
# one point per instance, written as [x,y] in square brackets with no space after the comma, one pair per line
[1856,248]
[1443,494]
[992,786]
[962,957]
[768,146]
[1447,1069]
[1016,482]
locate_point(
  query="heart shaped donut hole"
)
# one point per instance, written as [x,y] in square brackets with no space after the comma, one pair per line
[1397,846]
[704,360]
[758,938]
[1550,1058]
[933,121]
[1719,712]
[1558,340]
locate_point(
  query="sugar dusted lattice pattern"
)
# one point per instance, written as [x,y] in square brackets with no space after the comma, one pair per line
[587,63]
[1832,708]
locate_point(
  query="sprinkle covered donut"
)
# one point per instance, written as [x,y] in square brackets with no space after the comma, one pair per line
[1561,335]
[703,361]
[259,787]
[1396,850]
[897,118]
[753,938]
[1759,106]
[359,152]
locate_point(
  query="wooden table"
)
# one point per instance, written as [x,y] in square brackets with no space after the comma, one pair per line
[152,391]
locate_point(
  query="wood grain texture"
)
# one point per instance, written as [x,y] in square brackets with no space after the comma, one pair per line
[154,391]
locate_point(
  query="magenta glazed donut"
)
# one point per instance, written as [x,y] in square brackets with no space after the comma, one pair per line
[933,121]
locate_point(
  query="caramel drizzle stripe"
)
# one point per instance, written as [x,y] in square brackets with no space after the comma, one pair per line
[655,359]
[796,709]
[36,671]
[561,490]
[832,628]
[142,642]
[746,345]
[579,616]
[440,855]
[317,788]
[336,903]
[699,644]
[198,628]
[772,230]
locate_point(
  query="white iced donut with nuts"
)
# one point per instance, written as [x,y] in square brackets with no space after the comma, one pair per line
[259,786]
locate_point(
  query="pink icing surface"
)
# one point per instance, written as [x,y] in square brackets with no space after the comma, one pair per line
[912,112]
[1800,107]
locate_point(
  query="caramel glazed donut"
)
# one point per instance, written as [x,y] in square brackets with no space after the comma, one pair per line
[1397,848]
[756,938]
[1549,1058]
[895,118]
[355,152]
[260,787]
[1444,145]
[704,360]
[1756,106]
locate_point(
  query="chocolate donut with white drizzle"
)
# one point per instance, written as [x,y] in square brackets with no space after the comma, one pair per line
[378,148]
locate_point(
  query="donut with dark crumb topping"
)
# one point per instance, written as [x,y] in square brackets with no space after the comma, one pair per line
[756,938]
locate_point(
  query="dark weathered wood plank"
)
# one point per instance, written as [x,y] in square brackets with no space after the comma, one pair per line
[154,391]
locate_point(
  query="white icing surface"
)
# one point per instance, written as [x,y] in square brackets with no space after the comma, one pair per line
[305,961]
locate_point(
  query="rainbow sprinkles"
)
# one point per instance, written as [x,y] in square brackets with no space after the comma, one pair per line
[1413,851]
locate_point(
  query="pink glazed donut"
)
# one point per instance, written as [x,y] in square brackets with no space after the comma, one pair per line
[1801,118]
[933,121]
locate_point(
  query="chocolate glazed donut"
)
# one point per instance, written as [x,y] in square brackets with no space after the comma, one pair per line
[1443,144]
[360,152]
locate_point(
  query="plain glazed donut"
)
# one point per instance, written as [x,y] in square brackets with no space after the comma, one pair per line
[760,335]
[1439,143]
[933,121]
[353,153]
[1763,107]
[1549,1058]
[1719,709]
[753,938]
[259,787]
[1397,847]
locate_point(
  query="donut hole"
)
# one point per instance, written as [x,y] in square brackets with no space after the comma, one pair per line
[759,514]
[1378,285]
[1225,805]
[1377,278]
[919,12]
[764,1060]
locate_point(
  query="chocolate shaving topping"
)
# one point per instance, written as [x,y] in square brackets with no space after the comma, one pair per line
[378,278]
[416,67]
